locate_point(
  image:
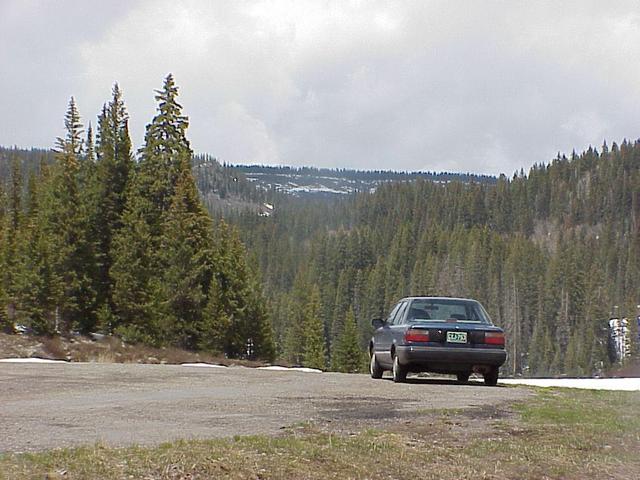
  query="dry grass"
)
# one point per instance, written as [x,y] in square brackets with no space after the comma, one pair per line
[77,348]
[557,435]
[54,348]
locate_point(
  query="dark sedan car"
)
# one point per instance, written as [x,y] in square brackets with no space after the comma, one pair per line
[437,334]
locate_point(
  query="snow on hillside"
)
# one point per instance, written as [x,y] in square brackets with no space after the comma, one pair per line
[325,182]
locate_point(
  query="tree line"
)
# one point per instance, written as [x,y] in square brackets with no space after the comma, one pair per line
[549,253]
[98,238]
[101,239]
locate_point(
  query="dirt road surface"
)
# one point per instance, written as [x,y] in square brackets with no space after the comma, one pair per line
[46,406]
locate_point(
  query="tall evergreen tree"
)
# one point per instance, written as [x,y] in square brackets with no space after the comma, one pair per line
[347,356]
[134,269]
[314,343]
[108,192]
[64,221]
[235,321]
[12,223]
[136,260]
[165,150]
[186,256]
[342,304]
[260,333]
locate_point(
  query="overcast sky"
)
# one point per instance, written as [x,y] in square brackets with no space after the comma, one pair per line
[486,87]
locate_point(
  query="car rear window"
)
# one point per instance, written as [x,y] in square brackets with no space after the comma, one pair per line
[443,310]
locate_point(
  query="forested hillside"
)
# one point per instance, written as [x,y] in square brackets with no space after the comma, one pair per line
[549,253]
[27,160]
[95,238]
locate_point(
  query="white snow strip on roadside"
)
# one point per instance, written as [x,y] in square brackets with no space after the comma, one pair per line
[30,360]
[290,369]
[210,365]
[626,384]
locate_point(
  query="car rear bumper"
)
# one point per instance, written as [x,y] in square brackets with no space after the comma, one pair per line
[423,355]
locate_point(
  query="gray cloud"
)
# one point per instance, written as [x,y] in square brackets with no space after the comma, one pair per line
[467,86]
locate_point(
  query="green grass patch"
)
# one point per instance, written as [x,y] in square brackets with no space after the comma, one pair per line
[556,434]
[595,410]
[565,433]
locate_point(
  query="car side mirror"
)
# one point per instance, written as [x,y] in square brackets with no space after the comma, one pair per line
[377,323]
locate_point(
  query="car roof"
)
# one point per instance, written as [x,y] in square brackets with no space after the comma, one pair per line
[438,298]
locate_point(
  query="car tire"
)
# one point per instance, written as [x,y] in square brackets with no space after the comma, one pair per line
[463,377]
[399,372]
[491,377]
[374,367]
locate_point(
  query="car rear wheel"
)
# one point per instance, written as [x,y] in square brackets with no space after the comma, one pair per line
[374,367]
[399,372]
[491,377]
[463,377]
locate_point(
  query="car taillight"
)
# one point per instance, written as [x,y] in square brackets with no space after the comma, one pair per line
[494,338]
[416,336]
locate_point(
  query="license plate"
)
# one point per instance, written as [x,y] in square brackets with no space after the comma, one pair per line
[457,337]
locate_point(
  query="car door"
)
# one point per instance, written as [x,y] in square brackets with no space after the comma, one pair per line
[383,337]
[398,327]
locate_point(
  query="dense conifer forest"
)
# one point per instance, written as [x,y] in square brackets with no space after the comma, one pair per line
[550,254]
[97,237]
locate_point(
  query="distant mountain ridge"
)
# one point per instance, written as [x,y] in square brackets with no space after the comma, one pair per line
[226,187]
[310,181]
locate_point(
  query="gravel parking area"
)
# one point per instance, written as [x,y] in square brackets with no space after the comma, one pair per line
[46,406]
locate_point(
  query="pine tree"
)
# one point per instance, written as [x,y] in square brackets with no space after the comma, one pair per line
[260,336]
[293,345]
[571,359]
[186,257]
[90,150]
[347,356]
[216,321]
[235,321]
[71,143]
[294,340]
[165,150]
[137,266]
[342,304]
[63,218]
[108,193]
[12,221]
[37,283]
[314,343]
[536,350]
[177,279]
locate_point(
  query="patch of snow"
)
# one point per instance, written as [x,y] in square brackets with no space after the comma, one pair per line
[20,329]
[210,365]
[290,369]
[319,189]
[30,360]
[626,384]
